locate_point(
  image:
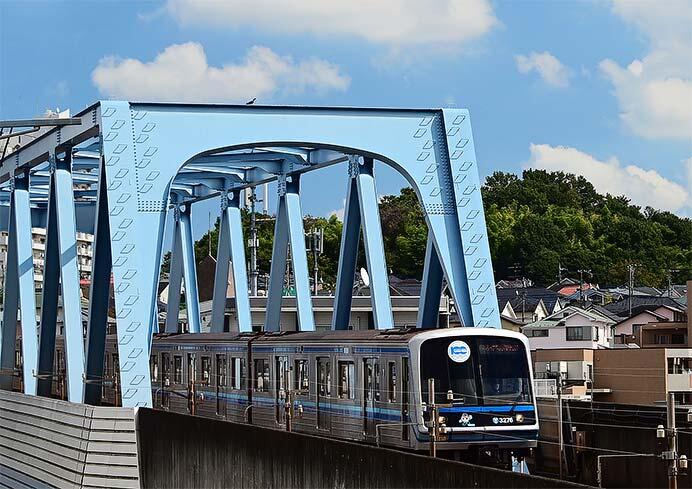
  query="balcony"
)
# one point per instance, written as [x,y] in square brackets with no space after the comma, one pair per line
[679,382]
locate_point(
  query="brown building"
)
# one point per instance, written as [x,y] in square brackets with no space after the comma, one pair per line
[643,376]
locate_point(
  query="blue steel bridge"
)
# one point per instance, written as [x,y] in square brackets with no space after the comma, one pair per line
[120,168]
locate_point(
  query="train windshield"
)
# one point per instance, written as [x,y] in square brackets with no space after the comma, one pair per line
[478,370]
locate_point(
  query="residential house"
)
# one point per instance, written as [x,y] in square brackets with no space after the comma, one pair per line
[571,327]
[527,304]
[628,330]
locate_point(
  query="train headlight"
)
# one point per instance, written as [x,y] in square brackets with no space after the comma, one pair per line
[519,418]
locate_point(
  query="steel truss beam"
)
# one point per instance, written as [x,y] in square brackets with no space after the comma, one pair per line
[99,295]
[431,288]
[19,291]
[61,263]
[362,209]
[183,267]
[289,232]
[231,247]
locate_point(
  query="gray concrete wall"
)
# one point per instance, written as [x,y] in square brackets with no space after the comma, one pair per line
[186,451]
[50,443]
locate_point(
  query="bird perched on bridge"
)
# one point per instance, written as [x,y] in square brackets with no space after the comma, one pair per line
[251,101]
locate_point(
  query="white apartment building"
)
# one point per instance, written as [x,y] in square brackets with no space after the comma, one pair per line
[84,256]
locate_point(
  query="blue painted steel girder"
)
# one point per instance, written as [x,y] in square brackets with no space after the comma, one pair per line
[146,145]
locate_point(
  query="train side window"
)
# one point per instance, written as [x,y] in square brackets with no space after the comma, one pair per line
[154,364]
[177,369]
[302,379]
[324,377]
[391,388]
[236,373]
[206,370]
[261,375]
[221,370]
[347,378]
[166,363]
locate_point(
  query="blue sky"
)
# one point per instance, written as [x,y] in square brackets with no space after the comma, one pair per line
[601,88]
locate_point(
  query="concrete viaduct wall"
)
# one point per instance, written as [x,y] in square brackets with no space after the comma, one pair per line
[50,443]
[46,443]
[182,451]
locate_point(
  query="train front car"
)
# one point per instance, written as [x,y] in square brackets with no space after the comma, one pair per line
[483,392]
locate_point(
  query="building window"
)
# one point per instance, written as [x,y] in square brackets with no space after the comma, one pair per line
[221,370]
[677,339]
[302,380]
[177,369]
[661,339]
[579,333]
[538,333]
[261,375]
[206,370]
[391,384]
[347,378]
[235,373]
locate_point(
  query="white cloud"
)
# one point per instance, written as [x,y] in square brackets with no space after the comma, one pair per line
[642,187]
[550,69]
[181,74]
[394,22]
[339,213]
[655,92]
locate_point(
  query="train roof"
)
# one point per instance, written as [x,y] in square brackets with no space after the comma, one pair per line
[401,335]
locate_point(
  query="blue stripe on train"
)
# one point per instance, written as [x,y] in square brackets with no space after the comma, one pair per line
[339,409]
[487,409]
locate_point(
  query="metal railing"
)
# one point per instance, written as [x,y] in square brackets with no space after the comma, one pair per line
[545,387]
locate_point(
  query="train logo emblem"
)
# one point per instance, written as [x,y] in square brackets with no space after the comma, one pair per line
[458,351]
[466,419]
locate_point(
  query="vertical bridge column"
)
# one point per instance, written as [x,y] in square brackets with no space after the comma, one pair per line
[289,231]
[231,247]
[183,267]
[61,264]
[362,207]
[19,290]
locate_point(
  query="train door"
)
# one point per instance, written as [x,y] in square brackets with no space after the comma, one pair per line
[191,366]
[221,371]
[371,373]
[165,381]
[282,386]
[404,399]
[324,393]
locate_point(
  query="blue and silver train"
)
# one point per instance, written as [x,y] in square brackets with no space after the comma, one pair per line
[367,386]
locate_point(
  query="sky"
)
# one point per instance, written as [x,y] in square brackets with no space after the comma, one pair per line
[598,88]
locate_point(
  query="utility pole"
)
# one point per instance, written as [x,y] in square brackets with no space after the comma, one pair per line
[432,423]
[630,270]
[581,284]
[677,464]
[254,244]
[315,244]
[560,269]
[559,420]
